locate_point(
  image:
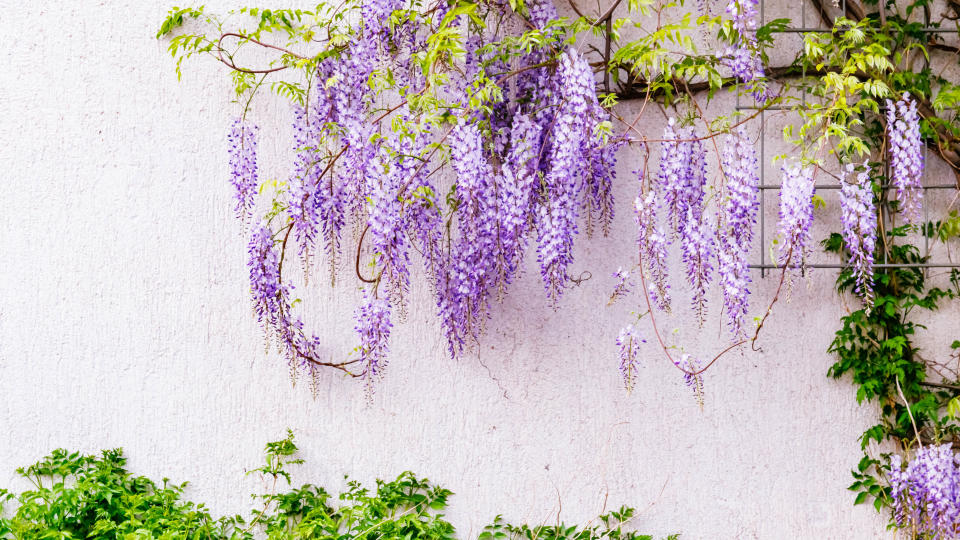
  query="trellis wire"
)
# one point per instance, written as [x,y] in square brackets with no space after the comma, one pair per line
[763,265]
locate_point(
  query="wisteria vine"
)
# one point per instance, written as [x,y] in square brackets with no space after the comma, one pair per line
[455,144]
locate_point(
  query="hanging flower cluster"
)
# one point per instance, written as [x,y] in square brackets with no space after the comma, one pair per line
[859,219]
[906,155]
[796,216]
[737,218]
[926,493]
[243,166]
[530,168]
[743,57]
[628,342]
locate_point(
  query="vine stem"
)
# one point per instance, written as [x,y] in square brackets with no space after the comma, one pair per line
[752,340]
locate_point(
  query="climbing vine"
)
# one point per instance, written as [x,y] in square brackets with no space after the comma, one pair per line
[447,142]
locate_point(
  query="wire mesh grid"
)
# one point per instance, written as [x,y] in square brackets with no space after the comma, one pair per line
[763,264]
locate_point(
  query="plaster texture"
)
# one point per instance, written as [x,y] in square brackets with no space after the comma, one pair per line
[124,321]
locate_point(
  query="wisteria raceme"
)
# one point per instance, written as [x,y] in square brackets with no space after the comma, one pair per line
[243,166]
[796,215]
[268,294]
[859,218]
[691,378]
[515,193]
[629,342]
[387,234]
[737,217]
[906,155]
[926,493]
[697,250]
[652,244]
[472,268]
[557,219]
[674,179]
[598,195]
[541,12]
[622,287]
[681,182]
[743,58]
[373,327]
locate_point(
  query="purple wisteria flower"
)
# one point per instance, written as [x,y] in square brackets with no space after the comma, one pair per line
[243,166]
[691,365]
[859,217]
[628,342]
[271,300]
[387,232]
[652,244]
[623,286]
[373,327]
[926,494]
[681,183]
[906,155]
[557,218]
[737,217]
[268,294]
[464,290]
[743,58]
[796,215]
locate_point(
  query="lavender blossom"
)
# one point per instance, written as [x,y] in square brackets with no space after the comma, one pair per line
[557,219]
[906,155]
[373,326]
[681,182]
[926,494]
[652,244]
[697,247]
[796,215]
[622,287]
[743,58]
[472,269]
[737,216]
[268,294]
[628,342]
[859,218]
[691,378]
[387,234]
[243,166]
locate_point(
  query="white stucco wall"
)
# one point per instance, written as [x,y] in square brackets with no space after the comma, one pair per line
[124,321]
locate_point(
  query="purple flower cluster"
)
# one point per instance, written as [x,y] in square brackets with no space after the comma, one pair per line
[796,215]
[269,295]
[622,288]
[387,226]
[557,219]
[906,155]
[859,217]
[315,205]
[601,157]
[926,494]
[243,166]
[743,58]
[271,300]
[628,342]
[681,183]
[691,365]
[472,268]
[652,244]
[373,326]
[737,218]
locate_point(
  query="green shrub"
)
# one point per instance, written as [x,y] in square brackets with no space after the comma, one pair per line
[78,496]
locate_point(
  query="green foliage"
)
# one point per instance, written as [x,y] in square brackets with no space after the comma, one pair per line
[77,496]
[609,525]
[874,345]
[86,496]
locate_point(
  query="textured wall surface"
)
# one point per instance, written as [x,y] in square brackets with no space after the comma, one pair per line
[124,321]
